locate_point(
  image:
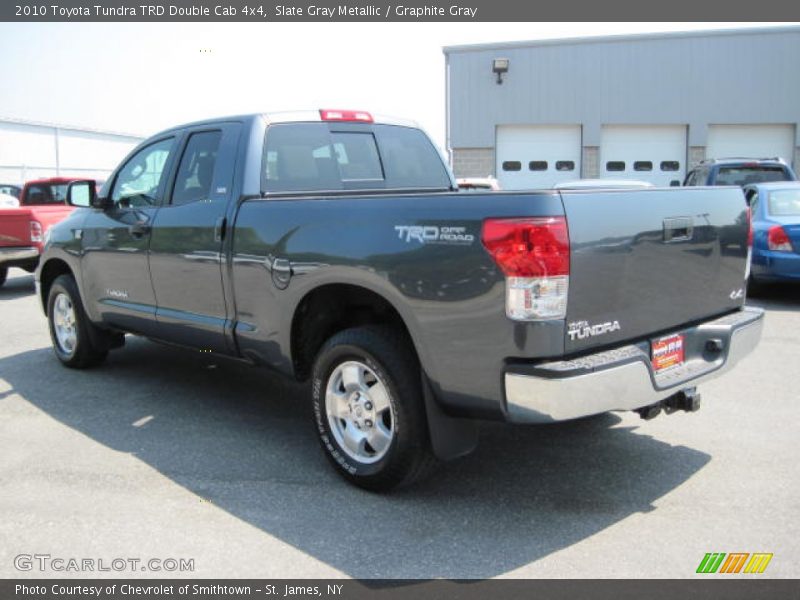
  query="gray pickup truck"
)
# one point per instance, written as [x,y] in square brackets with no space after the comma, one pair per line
[333,247]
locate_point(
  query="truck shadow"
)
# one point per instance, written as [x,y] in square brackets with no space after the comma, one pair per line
[18,284]
[242,439]
[777,296]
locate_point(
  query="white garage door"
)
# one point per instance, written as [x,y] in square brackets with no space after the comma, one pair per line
[750,141]
[537,156]
[654,153]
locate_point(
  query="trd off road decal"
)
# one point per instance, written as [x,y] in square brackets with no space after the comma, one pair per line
[433,234]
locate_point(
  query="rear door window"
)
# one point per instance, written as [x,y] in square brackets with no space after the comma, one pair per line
[196,170]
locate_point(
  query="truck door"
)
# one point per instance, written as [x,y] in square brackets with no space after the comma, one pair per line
[186,253]
[115,241]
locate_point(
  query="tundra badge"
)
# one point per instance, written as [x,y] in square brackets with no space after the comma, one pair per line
[579,330]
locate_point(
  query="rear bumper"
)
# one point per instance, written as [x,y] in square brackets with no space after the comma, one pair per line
[623,378]
[10,257]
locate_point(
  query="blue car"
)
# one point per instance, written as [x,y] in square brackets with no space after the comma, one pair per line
[775,210]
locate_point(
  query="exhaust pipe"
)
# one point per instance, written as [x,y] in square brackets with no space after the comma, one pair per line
[687,400]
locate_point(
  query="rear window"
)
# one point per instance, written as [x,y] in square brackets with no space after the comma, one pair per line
[45,193]
[784,203]
[743,175]
[311,157]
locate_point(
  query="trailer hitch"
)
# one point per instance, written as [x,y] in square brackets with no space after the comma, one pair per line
[687,400]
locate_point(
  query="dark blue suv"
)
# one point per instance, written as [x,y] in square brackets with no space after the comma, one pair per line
[739,171]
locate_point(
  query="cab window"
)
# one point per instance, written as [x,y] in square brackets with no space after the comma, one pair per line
[138,181]
[196,171]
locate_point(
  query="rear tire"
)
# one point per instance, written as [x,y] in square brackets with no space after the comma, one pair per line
[368,408]
[72,334]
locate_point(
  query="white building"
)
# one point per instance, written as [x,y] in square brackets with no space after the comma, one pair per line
[623,107]
[30,150]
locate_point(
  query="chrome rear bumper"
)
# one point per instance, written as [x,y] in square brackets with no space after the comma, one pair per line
[623,378]
[17,254]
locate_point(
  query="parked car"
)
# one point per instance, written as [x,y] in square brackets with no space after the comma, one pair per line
[775,209]
[8,201]
[42,204]
[739,171]
[478,184]
[10,189]
[602,184]
[334,247]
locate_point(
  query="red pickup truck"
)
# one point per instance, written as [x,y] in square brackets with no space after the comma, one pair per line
[22,230]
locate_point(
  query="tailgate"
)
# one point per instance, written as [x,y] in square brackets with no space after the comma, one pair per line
[15,228]
[647,261]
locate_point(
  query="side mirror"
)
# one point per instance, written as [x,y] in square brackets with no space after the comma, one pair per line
[83,194]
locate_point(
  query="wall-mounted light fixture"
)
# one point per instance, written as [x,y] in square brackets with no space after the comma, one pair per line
[500,66]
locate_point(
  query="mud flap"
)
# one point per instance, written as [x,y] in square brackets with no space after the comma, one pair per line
[451,437]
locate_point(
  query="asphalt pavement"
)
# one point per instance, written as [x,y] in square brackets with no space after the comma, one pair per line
[169,454]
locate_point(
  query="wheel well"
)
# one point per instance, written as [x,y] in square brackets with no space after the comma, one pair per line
[52,269]
[333,308]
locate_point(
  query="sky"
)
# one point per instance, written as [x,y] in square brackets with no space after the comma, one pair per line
[141,78]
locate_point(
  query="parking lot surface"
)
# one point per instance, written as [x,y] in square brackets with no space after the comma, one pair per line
[169,453]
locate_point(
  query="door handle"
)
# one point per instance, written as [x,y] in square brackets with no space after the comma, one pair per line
[139,229]
[678,229]
[219,229]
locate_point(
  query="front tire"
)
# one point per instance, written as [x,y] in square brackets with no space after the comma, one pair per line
[70,328]
[369,411]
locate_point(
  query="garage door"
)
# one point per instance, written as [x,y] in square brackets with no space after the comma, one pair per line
[750,141]
[537,156]
[654,153]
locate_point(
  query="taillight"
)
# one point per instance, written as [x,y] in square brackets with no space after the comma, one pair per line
[533,253]
[37,233]
[778,239]
[345,115]
[749,243]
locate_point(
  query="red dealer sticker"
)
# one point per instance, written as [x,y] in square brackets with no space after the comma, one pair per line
[667,352]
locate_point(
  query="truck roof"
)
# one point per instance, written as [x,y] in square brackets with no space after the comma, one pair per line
[50,180]
[299,116]
[743,159]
